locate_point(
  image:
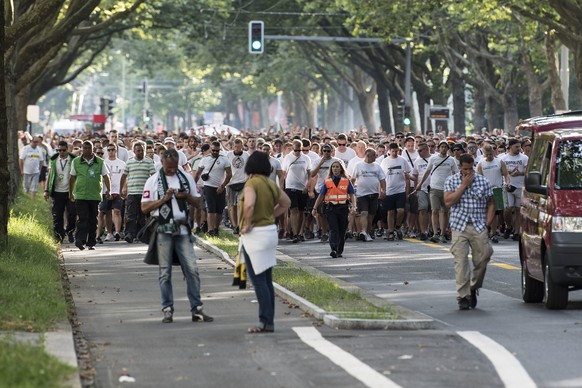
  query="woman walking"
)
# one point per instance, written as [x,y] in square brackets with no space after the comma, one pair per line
[262,201]
[338,196]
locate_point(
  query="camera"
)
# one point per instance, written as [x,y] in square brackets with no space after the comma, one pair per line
[204,177]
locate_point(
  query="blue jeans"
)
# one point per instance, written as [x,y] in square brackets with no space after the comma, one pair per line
[265,292]
[167,244]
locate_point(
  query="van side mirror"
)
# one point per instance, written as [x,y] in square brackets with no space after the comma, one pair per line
[533,184]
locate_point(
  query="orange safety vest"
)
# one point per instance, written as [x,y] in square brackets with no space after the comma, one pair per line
[337,194]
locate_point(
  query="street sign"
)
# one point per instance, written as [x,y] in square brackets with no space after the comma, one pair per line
[33,113]
[439,113]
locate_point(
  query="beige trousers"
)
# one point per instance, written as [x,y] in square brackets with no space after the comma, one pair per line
[481,252]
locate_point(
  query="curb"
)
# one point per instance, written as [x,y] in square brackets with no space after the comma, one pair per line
[411,320]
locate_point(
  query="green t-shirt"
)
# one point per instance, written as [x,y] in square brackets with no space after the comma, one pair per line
[267,195]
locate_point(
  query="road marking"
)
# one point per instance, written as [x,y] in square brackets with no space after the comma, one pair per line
[368,376]
[506,266]
[509,369]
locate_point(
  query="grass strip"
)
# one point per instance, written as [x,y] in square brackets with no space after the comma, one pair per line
[322,292]
[27,366]
[29,270]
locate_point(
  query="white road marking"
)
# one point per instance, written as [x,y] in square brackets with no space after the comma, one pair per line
[510,370]
[368,376]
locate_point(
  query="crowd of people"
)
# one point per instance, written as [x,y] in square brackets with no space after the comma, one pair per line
[340,186]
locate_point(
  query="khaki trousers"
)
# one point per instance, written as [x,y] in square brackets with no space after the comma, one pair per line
[481,252]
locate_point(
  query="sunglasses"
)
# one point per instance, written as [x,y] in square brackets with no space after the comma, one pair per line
[400,137]
[110,149]
[298,150]
[99,153]
[342,144]
[326,150]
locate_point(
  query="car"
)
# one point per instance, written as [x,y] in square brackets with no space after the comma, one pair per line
[550,241]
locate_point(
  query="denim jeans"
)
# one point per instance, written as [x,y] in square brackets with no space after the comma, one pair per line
[167,244]
[265,292]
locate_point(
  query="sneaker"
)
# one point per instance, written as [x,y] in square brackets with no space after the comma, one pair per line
[98,239]
[199,316]
[443,238]
[367,237]
[399,234]
[494,239]
[349,235]
[379,232]
[474,294]
[91,247]
[333,254]
[168,315]
[296,239]
[204,227]
[361,237]
[309,235]
[301,237]
[109,237]
[391,236]
[507,232]
[79,244]
[215,232]
[129,238]
[412,235]
[71,237]
[423,236]
[464,304]
[435,238]
[324,238]
[117,236]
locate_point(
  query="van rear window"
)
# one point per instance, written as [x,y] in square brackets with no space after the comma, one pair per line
[569,165]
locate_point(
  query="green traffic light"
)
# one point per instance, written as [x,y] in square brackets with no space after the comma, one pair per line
[406,121]
[257,45]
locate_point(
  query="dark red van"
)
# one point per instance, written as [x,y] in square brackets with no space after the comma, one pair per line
[550,247]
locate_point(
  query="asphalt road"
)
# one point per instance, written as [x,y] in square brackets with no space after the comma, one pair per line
[504,342]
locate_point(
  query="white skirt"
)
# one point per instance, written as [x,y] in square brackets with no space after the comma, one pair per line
[260,244]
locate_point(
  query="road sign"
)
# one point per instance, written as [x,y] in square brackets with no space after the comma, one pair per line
[439,113]
[33,113]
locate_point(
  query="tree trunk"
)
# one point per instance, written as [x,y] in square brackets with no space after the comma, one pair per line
[510,108]
[458,91]
[366,104]
[4,148]
[533,86]
[577,52]
[479,104]
[384,108]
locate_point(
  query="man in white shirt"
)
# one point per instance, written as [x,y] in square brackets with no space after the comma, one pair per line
[167,195]
[370,179]
[115,203]
[238,160]
[31,161]
[343,152]
[170,144]
[114,139]
[297,169]
[420,165]
[516,163]
[397,171]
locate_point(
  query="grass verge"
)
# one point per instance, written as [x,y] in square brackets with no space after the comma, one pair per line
[320,291]
[31,294]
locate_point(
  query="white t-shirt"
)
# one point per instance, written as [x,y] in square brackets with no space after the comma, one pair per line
[312,155]
[237,164]
[150,193]
[275,168]
[420,165]
[518,162]
[116,168]
[353,163]
[323,171]
[297,169]
[62,174]
[413,156]
[33,158]
[346,156]
[368,177]
[122,154]
[394,170]
[492,171]
[216,176]
[440,174]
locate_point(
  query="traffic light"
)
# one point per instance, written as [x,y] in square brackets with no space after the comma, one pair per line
[406,116]
[400,112]
[104,106]
[256,39]
[110,106]
[148,116]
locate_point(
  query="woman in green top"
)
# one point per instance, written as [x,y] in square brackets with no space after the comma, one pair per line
[261,202]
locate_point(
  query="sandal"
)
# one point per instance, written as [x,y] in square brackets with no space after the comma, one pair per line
[259,329]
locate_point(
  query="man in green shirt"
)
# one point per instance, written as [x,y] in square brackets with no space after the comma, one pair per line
[88,173]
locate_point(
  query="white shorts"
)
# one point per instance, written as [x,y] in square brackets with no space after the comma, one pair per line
[31,182]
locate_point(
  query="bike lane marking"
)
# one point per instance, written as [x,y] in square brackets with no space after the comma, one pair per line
[509,369]
[356,368]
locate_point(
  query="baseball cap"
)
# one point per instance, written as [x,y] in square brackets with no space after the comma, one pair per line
[456,146]
[169,140]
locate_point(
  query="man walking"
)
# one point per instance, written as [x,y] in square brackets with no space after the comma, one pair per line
[115,203]
[167,195]
[237,159]
[137,171]
[58,190]
[88,173]
[31,161]
[470,198]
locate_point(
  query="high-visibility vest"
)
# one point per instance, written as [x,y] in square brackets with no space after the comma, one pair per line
[337,194]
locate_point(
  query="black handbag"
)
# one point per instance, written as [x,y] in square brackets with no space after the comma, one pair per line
[148,235]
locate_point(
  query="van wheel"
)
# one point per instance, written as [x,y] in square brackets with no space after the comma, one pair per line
[532,290]
[555,296]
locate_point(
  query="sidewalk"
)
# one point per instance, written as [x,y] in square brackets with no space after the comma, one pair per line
[117,299]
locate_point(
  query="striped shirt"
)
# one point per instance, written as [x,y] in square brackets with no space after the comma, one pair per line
[472,207]
[138,172]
